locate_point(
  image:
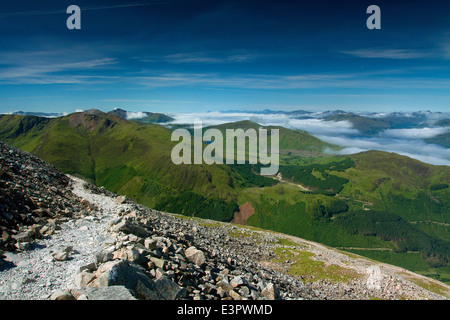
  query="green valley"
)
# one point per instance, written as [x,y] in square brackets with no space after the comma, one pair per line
[382,205]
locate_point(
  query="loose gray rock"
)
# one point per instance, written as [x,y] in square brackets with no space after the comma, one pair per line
[271,292]
[103,293]
[61,256]
[195,255]
[62,295]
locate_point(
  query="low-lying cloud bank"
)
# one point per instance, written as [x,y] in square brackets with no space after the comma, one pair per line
[413,148]
[408,142]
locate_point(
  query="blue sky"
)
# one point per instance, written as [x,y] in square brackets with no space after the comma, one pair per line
[187,56]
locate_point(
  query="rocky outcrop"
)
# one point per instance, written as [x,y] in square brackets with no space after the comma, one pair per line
[166,265]
[34,198]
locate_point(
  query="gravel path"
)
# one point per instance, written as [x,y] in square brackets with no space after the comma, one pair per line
[35,274]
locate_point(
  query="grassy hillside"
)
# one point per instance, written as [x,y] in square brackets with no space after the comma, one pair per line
[291,141]
[393,205]
[399,184]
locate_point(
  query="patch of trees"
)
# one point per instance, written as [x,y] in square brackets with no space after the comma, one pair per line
[422,206]
[251,179]
[440,186]
[320,210]
[193,204]
[317,177]
[390,227]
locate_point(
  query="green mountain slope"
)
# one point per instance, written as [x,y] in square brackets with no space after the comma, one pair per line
[441,139]
[123,156]
[392,204]
[365,125]
[292,142]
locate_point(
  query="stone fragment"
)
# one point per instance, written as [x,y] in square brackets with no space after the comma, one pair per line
[126,226]
[82,279]
[103,256]
[194,255]
[133,277]
[62,295]
[238,281]
[150,243]
[103,293]
[36,231]
[86,203]
[91,267]
[60,256]
[120,199]
[25,236]
[224,285]
[271,292]
[233,294]
[159,263]
[162,289]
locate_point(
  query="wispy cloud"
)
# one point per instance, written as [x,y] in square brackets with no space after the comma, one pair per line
[248,81]
[50,68]
[209,58]
[286,82]
[89,8]
[390,53]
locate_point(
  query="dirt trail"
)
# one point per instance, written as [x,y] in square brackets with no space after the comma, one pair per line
[35,274]
[279,177]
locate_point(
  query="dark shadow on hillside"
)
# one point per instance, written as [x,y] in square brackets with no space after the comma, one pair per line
[6,265]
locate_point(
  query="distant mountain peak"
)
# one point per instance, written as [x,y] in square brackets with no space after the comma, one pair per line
[141,116]
[93,111]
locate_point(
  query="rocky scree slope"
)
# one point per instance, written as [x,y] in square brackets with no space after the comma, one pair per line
[93,244]
[33,195]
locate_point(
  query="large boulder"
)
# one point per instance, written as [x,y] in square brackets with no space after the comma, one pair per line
[194,255]
[103,293]
[129,227]
[62,295]
[134,278]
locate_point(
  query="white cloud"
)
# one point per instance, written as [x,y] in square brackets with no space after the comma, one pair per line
[406,142]
[285,82]
[321,127]
[135,115]
[411,147]
[313,126]
[84,8]
[415,133]
[389,53]
[52,66]
[208,58]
